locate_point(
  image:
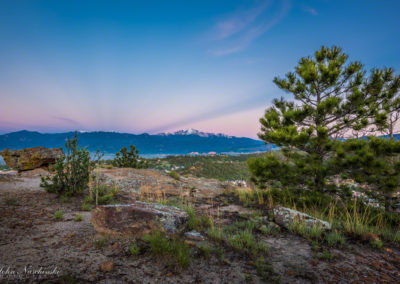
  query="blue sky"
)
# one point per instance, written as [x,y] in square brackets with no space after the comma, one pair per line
[153,66]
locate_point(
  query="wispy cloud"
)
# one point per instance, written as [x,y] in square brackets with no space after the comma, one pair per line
[238,21]
[239,30]
[235,107]
[67,120]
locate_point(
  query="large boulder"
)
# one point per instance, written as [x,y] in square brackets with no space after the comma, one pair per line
[31,158]
[137,219]
[285,216]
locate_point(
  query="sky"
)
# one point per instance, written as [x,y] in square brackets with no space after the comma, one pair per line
[157,66]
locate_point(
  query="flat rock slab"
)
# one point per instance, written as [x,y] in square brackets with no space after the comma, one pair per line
[31,158]
[285,216]
[137,219]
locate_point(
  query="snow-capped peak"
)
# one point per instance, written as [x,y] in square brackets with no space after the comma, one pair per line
[192,131]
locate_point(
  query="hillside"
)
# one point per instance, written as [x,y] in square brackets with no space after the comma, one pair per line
[180,142]
[221,167]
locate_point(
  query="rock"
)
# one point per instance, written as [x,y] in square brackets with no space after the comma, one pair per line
[137,219]
[107,266]
[31,158]
[284,216]
[194,236]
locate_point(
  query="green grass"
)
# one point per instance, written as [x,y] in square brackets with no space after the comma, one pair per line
[195,222]
[134,249]
[159,244]
[216,234]
[176,249]
[263,269]
[268,230]
[314,232]
[86,207]
[326,255]
[99,243]
[58,215]
[181,253]
[205,249]
[240,237]
[335,238]
[78,218]
[101,195]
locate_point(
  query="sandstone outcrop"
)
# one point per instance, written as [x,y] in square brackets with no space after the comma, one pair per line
[31,158]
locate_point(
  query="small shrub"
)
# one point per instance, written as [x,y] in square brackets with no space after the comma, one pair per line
[58,215]
[134,249]
[174,175]
[78,218]
[335,238]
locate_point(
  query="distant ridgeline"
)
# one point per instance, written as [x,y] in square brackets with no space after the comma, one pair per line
[177,143]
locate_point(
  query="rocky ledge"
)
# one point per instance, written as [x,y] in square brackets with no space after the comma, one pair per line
[31,158]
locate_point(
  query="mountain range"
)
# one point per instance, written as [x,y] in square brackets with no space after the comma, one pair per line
[176,143]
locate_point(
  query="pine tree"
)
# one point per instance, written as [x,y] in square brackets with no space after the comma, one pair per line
[374,161]
[333,99]
[131,159]
[71,172]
